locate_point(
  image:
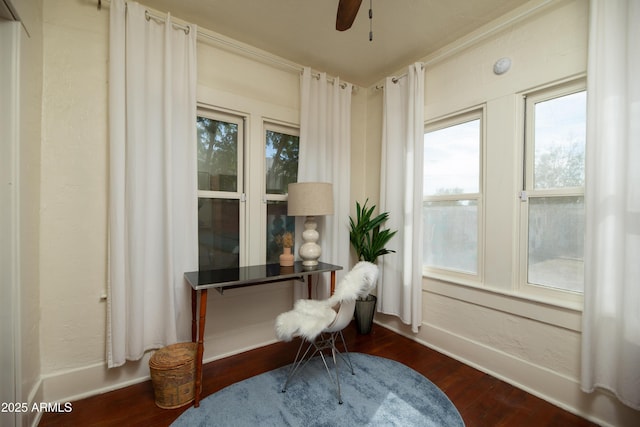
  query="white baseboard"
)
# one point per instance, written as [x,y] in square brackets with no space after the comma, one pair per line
[75,384]
[87,381]
[539,381]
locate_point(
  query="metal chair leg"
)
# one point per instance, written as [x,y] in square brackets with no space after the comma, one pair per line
[335,363]
[322,343]
[298,361]
[346,352]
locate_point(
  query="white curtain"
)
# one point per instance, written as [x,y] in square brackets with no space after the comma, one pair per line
[611,318]
[400,284]
[325,156]
[152,194]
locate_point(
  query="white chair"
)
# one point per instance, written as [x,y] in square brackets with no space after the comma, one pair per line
[319,323]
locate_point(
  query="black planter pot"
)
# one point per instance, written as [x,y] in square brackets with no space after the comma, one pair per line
[365,309]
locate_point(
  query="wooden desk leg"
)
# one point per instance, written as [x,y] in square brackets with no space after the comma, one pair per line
[333,282]
[309,280]
[194,314]
[200,351]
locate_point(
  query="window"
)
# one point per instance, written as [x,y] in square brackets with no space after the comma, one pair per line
[237,226]
[452,197]
[281,166]
[552,214]
[220,189]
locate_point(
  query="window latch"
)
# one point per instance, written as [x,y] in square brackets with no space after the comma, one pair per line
[523,196]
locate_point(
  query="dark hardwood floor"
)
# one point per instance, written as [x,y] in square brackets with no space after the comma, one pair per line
[483,401]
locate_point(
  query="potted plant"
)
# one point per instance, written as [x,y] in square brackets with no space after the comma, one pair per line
[369,242]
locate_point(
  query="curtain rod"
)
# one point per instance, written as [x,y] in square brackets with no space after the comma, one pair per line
[265,57]
[396,79]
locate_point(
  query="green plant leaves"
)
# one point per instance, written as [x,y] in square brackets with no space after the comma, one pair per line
[365,235]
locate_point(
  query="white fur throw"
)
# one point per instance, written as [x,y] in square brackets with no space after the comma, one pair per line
[310,317]
[361,280]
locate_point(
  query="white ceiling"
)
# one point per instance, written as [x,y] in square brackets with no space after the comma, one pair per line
[303,31]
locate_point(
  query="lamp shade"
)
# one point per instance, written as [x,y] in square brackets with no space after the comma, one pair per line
[310,199]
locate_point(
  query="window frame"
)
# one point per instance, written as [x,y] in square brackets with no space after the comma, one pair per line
[556,296]
[280,127]
[450,275]
[240,194]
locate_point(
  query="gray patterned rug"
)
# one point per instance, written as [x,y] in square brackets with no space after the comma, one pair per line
[381,393]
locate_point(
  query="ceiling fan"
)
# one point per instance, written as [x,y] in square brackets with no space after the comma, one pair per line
[347,11]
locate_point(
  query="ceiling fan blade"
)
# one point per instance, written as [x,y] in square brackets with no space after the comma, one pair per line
[347,11]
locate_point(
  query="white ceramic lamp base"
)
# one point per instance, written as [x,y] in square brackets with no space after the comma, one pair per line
[310,251]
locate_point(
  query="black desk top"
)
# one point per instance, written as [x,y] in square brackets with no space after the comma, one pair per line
[237,277]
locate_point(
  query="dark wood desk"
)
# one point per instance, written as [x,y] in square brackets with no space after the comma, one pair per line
[239,277]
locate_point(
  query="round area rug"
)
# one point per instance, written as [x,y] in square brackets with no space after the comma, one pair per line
[382,392]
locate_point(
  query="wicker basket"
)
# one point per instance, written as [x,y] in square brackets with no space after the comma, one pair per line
[173,374]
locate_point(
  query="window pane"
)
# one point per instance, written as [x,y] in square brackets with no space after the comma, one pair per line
[282,161]
[218,233]
[452,160]
[560,134]
[217,155]
[451,235]
[277,224]
[556,242]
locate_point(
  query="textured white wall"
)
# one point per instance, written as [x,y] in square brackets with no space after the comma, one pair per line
[535,345]
[74,198]
[74,186]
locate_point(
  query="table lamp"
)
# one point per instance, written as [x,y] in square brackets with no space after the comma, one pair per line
[310,199]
